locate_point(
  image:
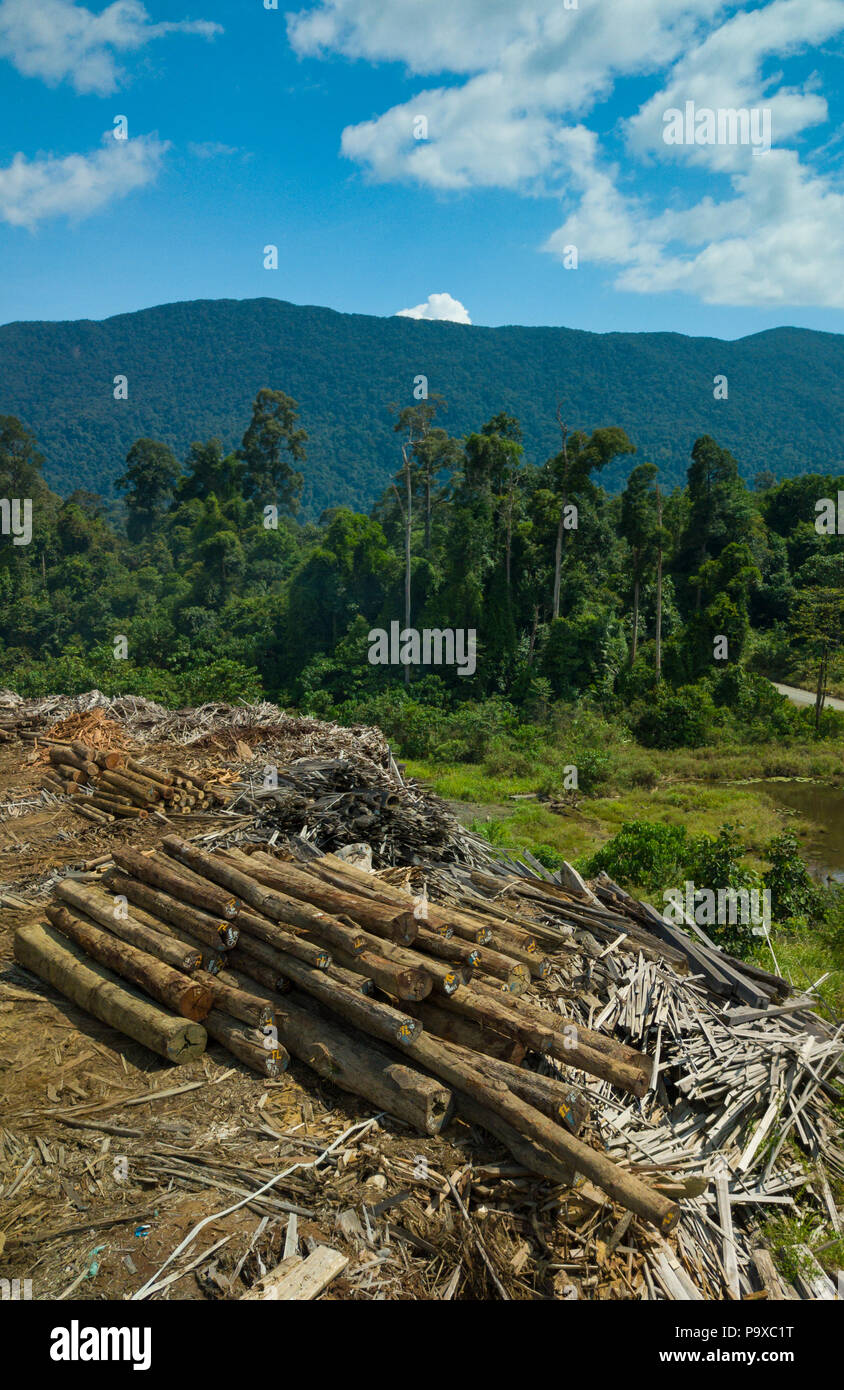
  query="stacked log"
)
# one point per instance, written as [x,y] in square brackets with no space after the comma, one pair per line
[48,954]
[420,1012]
[108,785]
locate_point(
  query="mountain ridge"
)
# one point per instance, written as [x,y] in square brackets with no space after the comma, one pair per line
[194,367]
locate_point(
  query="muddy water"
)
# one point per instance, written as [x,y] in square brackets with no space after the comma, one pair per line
[818,822]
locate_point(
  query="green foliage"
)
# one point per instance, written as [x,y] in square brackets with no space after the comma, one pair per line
[793,894]
[202,362]
[675,719]
[654,857]
[642,854]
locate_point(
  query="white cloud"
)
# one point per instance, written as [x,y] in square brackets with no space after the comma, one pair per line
[517,83]
[776,239]
[527,66]
[76,185]
[438,306]
[725,71]
[59,41]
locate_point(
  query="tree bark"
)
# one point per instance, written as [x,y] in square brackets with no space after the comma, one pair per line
[484,1008]
[267,901]
[558,565]
[487,1090]
[49,955]
[217,932]
[101,908]
[165,875]
[253,927]
[659,590]
[401,981]
[369,1015]
[358,1065]
[395,923]
[247,1044]
[176,991]
[242,1004]
[559,1023]
[446,978]
[468,1033]
[635,644]
[554,1098]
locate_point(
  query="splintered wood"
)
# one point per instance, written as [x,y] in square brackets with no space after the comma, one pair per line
[632,1105]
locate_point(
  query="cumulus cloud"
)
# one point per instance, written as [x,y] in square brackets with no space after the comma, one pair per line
[58,40]
[514,90]
[527,66]
[32,190]
[438,306]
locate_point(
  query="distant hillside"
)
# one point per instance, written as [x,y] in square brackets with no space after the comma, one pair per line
[194,368]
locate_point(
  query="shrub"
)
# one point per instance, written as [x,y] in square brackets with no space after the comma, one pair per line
[646,855]
[680,718]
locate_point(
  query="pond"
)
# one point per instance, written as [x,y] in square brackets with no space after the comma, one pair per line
[818,822]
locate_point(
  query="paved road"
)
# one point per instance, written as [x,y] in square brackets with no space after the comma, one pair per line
[806,697]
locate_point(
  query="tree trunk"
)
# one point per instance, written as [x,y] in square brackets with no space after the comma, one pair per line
[369,1015]
[242,1004]
[467,1033]
[101,908]
[400,981]
[355,1064]
[247,1044]
[178,992]
[481,1087]
[558,564]
[568,1048]
[553,1097]
[408,523]
[49,955]
[635,644]
[215,932]
[393,922]
[820,696]
[252,926]
[427,510]
[167,876]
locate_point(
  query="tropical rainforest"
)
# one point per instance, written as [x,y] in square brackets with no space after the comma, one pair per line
[192,369]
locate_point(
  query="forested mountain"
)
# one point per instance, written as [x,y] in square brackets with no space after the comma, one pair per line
[194,368]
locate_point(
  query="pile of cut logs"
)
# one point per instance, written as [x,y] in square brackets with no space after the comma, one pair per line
[106,786]
[12,726]
[420,1009]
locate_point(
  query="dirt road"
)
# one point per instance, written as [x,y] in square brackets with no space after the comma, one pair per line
[805,697]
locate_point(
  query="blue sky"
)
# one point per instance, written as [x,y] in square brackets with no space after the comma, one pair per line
[546,125]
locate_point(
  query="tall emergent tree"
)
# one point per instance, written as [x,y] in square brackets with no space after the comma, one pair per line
[272,440]
[580,456]
[420,449]
[640,528]
[817,622]
[152,473]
